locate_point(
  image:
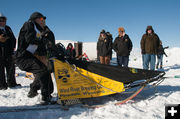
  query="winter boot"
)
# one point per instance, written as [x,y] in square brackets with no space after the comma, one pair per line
[46,100]
[160,66]
[13,85]
[3,87]
[32,93]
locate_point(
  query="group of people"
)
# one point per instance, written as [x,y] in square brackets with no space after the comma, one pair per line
[122,45]
[151,46]
[31,55]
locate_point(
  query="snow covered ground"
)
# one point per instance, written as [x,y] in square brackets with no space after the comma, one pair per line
[149,104]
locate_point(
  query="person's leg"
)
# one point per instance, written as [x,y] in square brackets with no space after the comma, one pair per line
[3,84]
[34,87]
[158,61]
[143,55]
[10,69]
[152,61]
[31,64]
[117,59]
[107,60]
[120,59]
[146,61]
[125,61]
[161,61]
[102,60]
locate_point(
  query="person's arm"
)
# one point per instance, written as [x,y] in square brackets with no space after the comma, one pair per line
[115,45]
[30,33]
[166,47]
[74,53]
[142,43]
[130,45]
[12,38]
[109,46]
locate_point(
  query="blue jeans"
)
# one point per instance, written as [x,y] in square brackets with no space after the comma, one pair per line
[160,60]
[143,57]
[123,61]
[149,59]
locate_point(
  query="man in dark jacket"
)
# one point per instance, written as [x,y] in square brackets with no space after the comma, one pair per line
[7,47]
[104,48]
[34,40]
[122,46]
[149,48]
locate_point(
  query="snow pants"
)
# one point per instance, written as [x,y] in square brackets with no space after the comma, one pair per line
[28,62]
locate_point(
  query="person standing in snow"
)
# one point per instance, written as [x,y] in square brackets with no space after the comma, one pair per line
[149,48]
[122,46]
[71,51]
[104,48]
[160,55]
[7,47]
[34,40]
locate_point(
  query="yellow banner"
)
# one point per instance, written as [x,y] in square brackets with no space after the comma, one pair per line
[73,84]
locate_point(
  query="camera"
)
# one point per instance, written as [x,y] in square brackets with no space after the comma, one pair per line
[4,34]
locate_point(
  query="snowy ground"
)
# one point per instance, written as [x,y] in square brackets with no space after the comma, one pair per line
[149,104]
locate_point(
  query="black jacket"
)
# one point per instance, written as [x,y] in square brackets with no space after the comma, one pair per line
[122,45]
[71,53]
[7,48]
[48,39]
[27,36]
[104,47]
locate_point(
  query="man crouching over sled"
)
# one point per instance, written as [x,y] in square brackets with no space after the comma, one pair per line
[31,55]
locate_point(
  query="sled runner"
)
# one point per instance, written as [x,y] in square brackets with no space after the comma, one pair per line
[77,79]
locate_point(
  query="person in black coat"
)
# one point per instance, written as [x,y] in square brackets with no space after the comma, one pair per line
[104,48]
[122,46]
[71,51]
[34,39]
[7,47]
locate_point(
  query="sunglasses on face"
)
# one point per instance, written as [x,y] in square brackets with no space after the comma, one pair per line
[42,19]
[2,20]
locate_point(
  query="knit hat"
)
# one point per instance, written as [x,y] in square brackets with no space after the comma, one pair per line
[2,16]
[36,15]
[121,29]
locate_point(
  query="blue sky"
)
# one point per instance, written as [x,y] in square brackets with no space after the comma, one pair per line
[82,20]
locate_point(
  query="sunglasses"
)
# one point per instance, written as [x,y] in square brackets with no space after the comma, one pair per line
[2,20]
[42,19]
